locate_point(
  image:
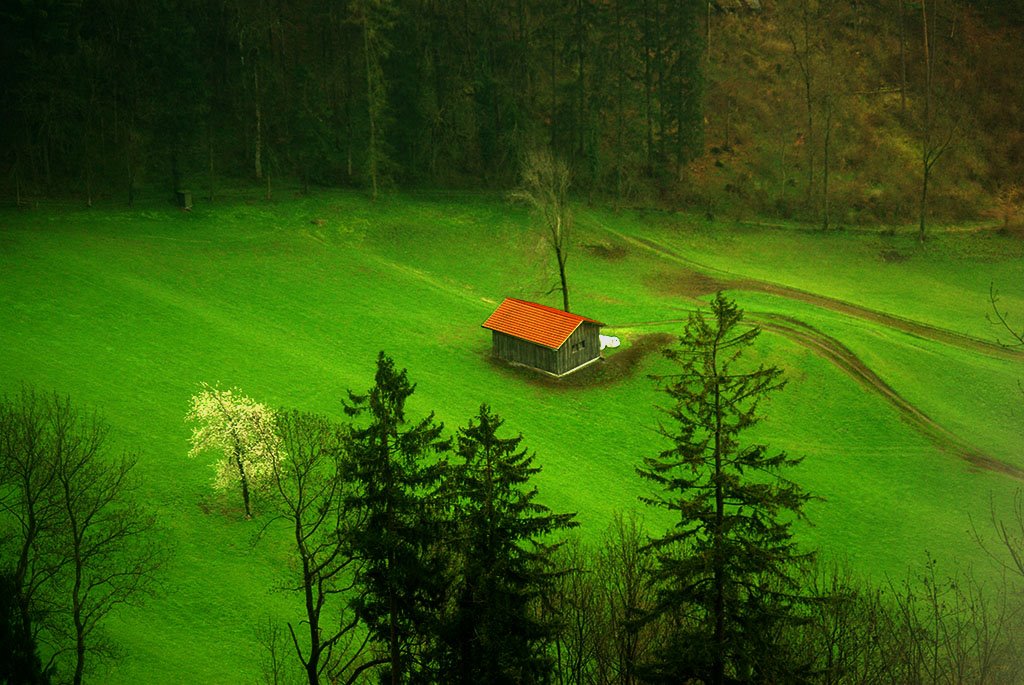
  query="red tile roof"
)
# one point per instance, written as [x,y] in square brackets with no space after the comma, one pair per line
[537,323]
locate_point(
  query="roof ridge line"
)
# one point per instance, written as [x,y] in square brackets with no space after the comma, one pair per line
[534,322]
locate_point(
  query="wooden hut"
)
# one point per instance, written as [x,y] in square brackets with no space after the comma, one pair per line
[543,338]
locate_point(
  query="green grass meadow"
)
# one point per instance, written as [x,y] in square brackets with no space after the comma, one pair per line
[129,310]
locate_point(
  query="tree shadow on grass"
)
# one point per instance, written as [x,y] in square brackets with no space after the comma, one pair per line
[223,505]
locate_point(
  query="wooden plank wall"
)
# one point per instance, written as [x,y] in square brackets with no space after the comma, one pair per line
[524,352]
[581,347]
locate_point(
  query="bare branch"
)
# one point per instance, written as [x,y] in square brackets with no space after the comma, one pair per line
[1001,318]
[545,188]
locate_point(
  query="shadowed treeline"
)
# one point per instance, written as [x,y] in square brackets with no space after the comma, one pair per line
[829,112]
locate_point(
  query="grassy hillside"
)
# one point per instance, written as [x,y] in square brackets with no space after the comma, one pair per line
[907,414]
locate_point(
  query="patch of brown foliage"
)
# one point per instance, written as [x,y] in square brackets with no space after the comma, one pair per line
[606,251]
[689,284]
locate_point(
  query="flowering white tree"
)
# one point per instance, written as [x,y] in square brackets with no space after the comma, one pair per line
[242,430]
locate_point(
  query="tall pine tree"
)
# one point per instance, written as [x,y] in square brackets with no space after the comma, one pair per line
[504,538]
[727,567]
[396,474]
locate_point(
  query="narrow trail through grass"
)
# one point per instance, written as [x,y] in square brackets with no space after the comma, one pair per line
[841,356]
[838,354]
[710,279]
[704,280]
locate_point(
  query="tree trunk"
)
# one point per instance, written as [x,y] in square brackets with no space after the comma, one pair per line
[809,141]
[708,36]
[17,181]
[826,160]
[21,570]
[79,652]
[245,481]
[661,76]
[131,182]
[175,174]
[349,89]
[926,125]
[923,206]
[619,104]
[718,655]
[76,605]
[395,649]
[390,526]
[258,152]
[394,646]
[47,170]
[210,177]
[371,106]
[560,256]
[88,182]
[312,614]
[903,60]
[553,76]
[581,102]
[648,85]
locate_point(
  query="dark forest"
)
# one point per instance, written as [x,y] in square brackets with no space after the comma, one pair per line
[829,113]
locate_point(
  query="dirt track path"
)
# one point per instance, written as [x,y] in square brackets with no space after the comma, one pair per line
[834,351]
[718,279]
[837,353]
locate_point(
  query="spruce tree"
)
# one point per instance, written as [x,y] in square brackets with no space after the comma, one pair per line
[504,538]
[727,567]
[396,474]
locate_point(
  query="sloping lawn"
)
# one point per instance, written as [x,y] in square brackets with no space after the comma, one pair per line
[128,311]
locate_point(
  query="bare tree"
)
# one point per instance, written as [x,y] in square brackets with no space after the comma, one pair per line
[275,668]
[1009,203]
[925,628]
[29,503]
[830,97]
[901,20]
[934,142]
[81,540]
[375,17]
[575,604]
[627,595]
[848,628]
[803,39]
[812,34]
[110,560]
[1001,318]
[19,655]
[1009,534]
[953,631]
[545,188]
[311,497]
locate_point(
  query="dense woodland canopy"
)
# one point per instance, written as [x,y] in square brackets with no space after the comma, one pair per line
[803,109]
